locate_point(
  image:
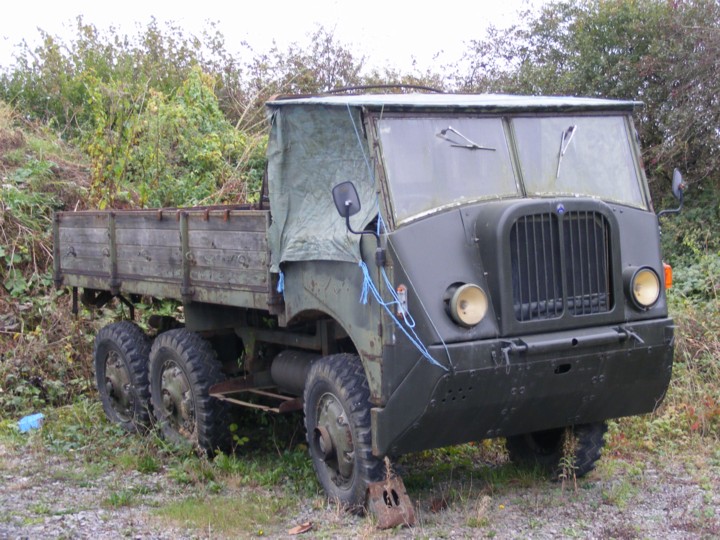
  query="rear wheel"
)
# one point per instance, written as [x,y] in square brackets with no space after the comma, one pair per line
[121,372]
[337,419]
[183,367]
[575,448]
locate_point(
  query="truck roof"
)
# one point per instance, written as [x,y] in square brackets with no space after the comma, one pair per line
[460,102]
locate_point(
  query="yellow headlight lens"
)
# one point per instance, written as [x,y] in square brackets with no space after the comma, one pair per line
[645,287]
[468,305]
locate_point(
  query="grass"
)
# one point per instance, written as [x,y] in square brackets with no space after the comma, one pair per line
[256,512]
[122,497]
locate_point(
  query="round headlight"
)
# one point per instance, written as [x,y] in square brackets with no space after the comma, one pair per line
[644,287]
[468,305]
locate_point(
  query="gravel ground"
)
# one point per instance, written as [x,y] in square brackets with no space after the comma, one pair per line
[46,496]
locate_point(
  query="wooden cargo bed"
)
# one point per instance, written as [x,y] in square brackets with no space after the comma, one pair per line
[216,255]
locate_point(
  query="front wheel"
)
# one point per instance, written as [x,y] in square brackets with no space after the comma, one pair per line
[577,448]
[337,420]
[183,367]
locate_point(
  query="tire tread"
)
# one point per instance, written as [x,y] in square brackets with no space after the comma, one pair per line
[134,346]
[203,370]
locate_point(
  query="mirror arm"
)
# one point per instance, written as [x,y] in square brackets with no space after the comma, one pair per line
[672,210]
[379,251]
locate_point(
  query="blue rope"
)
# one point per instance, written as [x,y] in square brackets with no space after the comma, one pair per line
[407,325]
[408,328]
[281,283]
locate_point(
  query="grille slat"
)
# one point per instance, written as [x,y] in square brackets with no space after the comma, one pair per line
[544,248]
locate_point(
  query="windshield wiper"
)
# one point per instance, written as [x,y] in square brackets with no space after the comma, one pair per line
[565,139]
[470,145]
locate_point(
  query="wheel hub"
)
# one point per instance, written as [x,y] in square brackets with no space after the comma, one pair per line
[334,438]
[117,384]
[177,399]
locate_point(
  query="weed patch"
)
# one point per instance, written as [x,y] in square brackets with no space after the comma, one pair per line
[243,513]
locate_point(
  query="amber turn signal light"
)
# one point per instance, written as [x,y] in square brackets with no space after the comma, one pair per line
[668,275]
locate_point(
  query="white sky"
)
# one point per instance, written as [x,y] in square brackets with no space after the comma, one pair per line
[387,32]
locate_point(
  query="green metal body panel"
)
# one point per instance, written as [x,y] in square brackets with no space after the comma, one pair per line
[488,396]
[333,289]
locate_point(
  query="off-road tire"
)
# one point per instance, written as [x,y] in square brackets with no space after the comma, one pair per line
[544,449]
[120,357]
[338,383]
[183,367]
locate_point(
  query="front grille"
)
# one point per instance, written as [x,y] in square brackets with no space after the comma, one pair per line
[560,263]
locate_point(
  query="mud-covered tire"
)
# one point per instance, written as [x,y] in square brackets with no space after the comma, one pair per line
[545,449]
[337,420]
[183,367]
[120,357]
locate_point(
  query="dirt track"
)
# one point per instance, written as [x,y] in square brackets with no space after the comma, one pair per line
[50,497]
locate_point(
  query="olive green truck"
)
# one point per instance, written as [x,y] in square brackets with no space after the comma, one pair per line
[425,270]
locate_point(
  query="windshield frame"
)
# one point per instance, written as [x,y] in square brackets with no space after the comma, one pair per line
[372,121]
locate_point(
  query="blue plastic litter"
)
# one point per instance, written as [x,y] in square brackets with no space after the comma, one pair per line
[32,421]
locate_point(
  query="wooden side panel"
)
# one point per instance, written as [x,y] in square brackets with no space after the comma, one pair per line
[83,246]
[218,255]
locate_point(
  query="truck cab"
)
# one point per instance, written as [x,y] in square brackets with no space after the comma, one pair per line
[520,291]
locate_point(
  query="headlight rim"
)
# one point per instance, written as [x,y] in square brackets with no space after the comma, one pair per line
[632,274]
[454,295]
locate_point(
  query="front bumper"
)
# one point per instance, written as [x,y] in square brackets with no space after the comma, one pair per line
[507,387]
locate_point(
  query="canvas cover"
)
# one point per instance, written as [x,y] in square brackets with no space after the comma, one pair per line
[311,149]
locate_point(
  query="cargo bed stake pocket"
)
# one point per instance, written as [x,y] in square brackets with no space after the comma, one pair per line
[562,368]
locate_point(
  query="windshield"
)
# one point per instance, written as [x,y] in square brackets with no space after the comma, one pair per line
[433,162]
[578,156]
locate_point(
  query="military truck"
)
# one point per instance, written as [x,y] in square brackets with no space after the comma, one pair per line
[429,270]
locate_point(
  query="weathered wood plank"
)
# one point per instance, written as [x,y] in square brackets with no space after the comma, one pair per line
[83,220]
[239,241]
[227,278]
[236,221]
[251,297]
[144,220]
[150,255]
[147,237]
[233,220]
[230,259]
[90,235]
[85,265]
[141,269]
[88,250]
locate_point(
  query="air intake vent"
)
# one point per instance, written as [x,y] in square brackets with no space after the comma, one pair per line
[560,263]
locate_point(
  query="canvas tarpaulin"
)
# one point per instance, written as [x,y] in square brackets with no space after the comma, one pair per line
[312,149]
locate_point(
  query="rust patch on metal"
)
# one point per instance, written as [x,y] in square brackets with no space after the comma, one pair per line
[291,406]
[390,504]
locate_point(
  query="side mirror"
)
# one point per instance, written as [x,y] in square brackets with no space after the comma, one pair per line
[678,186]
[346,199]
[347,202]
